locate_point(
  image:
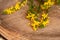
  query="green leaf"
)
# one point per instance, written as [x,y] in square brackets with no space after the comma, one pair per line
[38,9]
[58,2]
[4,13]
[36,19]
[45,19]
[41,26]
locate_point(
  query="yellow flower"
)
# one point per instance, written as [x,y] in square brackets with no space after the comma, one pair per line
[45,22]
[17,6]
[44,15]
[12,9]
[34,27]
[50,3]
[47,4]
[31,16]
[28,16]
[8,11]
[42,7]
[23,3]
[36,23]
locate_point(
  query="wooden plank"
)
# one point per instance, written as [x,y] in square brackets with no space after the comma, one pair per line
[11,35]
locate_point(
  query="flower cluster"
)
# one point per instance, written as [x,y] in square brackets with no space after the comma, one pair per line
[33,13]
[15,8]
[47,4]
[35,22]
[45,19]
[33,18]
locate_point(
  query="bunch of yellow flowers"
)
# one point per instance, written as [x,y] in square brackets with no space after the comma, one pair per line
[44,19]
[33,17]
[38,23]
[14,8]
[48,4]
[35,25]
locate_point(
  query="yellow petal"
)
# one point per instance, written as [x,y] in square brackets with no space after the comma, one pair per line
[17,6]
[44,15]
[34,27]
[45,22]
[36,22]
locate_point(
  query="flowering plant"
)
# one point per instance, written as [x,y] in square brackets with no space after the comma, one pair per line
[15,8]
[35,11]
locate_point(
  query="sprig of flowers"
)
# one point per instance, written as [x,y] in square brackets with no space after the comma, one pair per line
[15,8]
[47,4]
[33,13]
[33,17]
[45,19]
